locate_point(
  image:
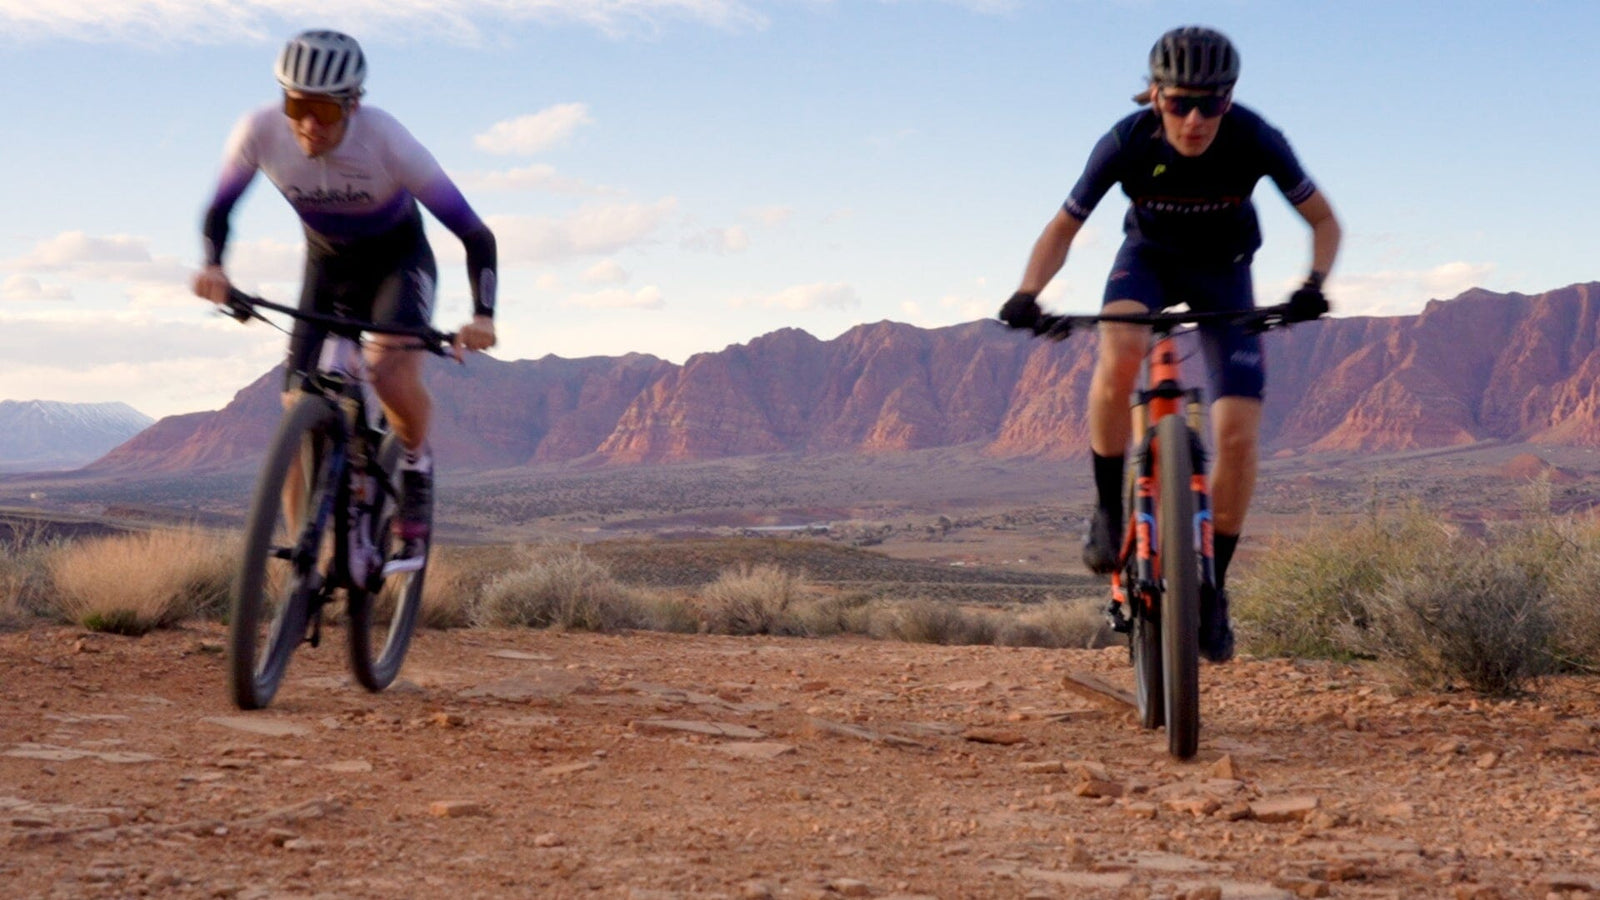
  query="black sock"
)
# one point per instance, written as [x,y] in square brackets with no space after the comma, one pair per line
[1222,547]
[1108,486]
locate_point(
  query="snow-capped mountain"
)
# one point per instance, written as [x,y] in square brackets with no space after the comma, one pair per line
[44,435]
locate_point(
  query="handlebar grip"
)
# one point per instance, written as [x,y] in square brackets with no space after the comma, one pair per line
[238,305]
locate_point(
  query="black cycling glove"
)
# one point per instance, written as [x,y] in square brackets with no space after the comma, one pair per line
[1021,311]
[1307,303]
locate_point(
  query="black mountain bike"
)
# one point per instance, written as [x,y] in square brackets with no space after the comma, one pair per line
[1165,562]
[321,522]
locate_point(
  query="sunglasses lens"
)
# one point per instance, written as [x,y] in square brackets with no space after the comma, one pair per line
[326,112]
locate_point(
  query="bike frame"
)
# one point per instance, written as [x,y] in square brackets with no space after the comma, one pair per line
[1160,397]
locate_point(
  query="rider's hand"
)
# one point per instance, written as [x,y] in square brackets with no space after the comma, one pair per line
[1306,304]
[1021,311]
[475,335]
[212,283]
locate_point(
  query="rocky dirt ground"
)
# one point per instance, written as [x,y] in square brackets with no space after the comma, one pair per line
[538,764]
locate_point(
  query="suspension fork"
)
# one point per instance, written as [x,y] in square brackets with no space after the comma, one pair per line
[1204,532]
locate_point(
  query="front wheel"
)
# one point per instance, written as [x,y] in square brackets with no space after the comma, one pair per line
[283,545]
[1180,574]
[383,619]
[1145,646]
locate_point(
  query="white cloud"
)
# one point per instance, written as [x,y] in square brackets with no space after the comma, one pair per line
[532,133]
[835,295]
[548,281]
[536,177]
[25,288]
[120,258]
[648,297]
[1395,292]
[463,21]
[771,216]
[733,239]
[606,271]
[590,231]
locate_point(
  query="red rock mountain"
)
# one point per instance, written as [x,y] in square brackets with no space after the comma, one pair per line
[1480,366]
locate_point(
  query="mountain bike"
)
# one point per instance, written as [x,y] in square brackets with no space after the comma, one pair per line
[1165,562]
[321,521]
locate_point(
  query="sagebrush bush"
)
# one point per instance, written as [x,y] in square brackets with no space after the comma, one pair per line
[937,622]
[24,575]
[133,583]
[561,588]
[450,592]
[761,599]
[1564,555]
[1472,615]
[1305,594]
[1078,624]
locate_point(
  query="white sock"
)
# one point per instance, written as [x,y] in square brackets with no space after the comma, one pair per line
[419,460]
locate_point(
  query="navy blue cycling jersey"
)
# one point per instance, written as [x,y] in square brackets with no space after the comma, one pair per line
[1195,207]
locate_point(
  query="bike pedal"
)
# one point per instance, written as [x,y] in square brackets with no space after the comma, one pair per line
[1120,623]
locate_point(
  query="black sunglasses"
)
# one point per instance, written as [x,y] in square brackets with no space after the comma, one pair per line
[1209,105]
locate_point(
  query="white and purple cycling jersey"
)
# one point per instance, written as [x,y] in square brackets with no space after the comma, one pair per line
[366,188]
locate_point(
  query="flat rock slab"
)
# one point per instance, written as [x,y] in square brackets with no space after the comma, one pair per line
[261,725]
[523,655]
[541,684]
[759,750]
[52,753]
[714,729]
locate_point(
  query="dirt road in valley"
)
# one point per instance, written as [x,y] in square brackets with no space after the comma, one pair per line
[537,764]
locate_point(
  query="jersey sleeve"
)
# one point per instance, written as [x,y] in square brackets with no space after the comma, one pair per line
[240,163]
[422,175]
[1284,168]
[1099,174]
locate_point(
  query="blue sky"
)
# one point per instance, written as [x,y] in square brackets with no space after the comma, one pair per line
[673,176]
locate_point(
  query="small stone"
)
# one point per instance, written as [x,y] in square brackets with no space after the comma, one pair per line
[755,890]
[548,839]
[1043,767]
[277,837]
[303,845]
[1399,812]
[455,809]
[1205,892]
[994,736]
[448,719]
[1285,809]
[1096,788]
[1141,809]
[1487,761]
[850,887]
[1226,768]
[569,768]
[1450,746]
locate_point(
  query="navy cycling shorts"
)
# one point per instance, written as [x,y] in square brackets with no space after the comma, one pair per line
[387,288]
[1233,355]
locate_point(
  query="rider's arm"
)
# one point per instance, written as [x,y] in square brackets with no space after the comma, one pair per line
[1325,232]
[1050,251]
[239,168]
[422,175]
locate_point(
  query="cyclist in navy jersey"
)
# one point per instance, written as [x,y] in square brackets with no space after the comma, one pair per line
[355,176]
[1188,163]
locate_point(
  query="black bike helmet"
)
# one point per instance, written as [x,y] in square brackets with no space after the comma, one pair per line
[1194,57]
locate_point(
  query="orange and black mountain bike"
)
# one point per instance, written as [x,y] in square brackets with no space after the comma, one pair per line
[1165,561]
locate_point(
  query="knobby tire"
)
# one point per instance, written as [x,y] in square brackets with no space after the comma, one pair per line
[1180,573]
[1144,640]
[270,585]
[382,622]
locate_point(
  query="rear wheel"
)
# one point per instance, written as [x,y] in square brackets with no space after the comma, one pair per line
[382,619]
[1180,600]
[283,545]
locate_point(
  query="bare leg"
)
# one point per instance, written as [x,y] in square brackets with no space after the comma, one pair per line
[1236,427]
[1116,369]
[397,377]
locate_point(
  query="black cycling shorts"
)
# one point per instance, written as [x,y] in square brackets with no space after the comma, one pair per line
[385,285]
[1234,362]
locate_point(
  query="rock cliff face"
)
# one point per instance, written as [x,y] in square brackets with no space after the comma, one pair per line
[1481,366]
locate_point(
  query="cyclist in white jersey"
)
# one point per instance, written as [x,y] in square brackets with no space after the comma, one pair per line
[355,175]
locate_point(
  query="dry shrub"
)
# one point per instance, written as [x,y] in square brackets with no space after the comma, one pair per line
[1060,624]
[762,599]
[660,611]
[1565,556]
[936,622]
[1469,616]
[449,592]
[560,588]
[852,613]
[132,583]
[1306,595]
[24,575]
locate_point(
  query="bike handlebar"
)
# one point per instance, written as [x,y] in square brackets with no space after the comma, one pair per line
[243,307]
[1266,318]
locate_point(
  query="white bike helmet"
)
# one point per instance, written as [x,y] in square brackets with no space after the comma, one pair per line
[322,62]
